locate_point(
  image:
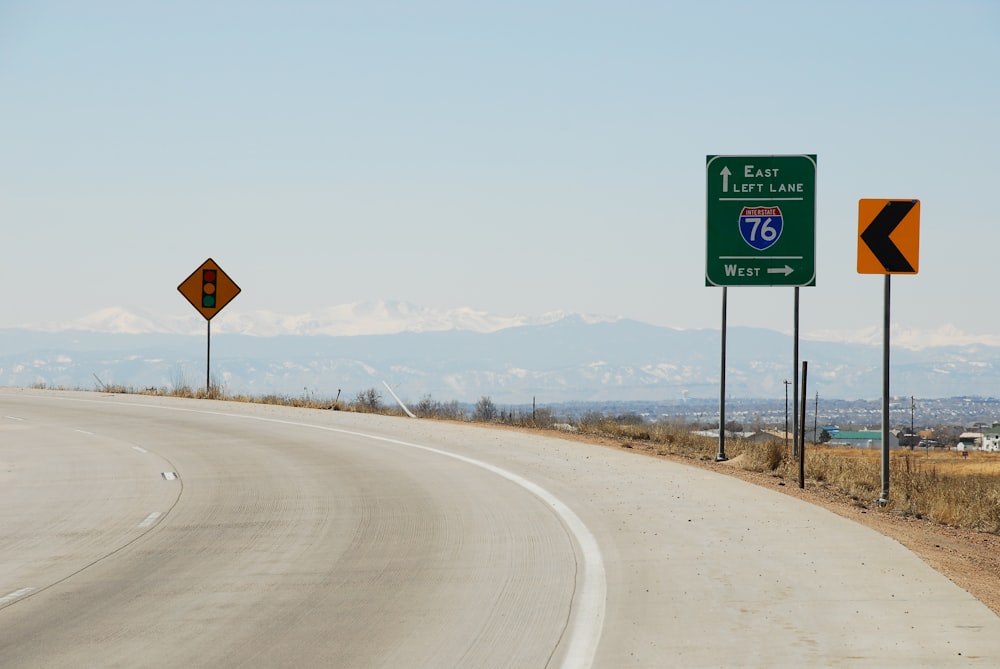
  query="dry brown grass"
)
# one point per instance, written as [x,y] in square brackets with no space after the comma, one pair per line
[942,486]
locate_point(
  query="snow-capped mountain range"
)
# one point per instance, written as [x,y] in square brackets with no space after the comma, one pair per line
[356,318]
[384,317]
[464,354]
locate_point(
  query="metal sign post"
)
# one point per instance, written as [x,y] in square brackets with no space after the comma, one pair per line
[208,356]
[802,436]
[208,289]
[721,457]
[884,497]
[888,243]
[795,376]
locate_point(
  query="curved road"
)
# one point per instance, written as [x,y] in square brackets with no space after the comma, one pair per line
[158,532]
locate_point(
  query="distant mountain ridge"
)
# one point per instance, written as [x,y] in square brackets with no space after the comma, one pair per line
[572,358]
[355,318]
[394,316]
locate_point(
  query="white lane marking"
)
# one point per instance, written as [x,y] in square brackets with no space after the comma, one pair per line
[13,418]
[585,633]
[12,596]
[140,449]
[150,519]
[84,432]
[169,476]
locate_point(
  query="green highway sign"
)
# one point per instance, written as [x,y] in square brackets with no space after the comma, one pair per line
[761,221]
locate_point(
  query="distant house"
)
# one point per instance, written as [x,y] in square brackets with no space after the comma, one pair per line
[991,439]
[971,441]
[862,439]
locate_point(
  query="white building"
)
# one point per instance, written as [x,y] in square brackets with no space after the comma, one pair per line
[991,439]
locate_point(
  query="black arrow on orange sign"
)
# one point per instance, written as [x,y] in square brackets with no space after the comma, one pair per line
[876,236]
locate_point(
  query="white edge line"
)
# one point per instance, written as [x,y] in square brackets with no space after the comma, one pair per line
[584,632]
[150,519]
[13,596]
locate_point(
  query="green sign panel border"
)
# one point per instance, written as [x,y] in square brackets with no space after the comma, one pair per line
[761,220]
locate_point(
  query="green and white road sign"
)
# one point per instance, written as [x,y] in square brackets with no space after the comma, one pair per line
[761,221]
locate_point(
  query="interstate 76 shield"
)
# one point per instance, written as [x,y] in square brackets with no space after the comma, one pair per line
[760,226]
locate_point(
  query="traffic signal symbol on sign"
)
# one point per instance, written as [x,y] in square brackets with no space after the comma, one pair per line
[208,277]
[888,236]
[209,289]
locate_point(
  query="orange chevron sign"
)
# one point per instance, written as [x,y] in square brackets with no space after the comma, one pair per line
[888,236]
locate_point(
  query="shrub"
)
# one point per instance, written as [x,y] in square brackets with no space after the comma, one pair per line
[486,410]
[368,400]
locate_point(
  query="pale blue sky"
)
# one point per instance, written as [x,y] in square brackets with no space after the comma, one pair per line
[514,157]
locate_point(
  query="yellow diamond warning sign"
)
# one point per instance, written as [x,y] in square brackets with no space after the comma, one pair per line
[209,289]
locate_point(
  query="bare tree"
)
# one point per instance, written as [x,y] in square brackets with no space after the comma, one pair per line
[452,410]
[486,410]
[369,399]
[427,407]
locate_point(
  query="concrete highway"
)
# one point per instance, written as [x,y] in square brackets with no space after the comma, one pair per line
[159,532]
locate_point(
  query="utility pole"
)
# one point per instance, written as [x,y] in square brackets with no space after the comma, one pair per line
[787,382]
[816,418]
[912,405]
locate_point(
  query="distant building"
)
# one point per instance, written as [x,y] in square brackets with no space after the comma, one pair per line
[991,438]
[862,439]
[970,441]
